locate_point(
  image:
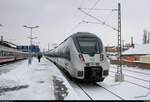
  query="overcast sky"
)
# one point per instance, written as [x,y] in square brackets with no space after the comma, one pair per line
[60,18]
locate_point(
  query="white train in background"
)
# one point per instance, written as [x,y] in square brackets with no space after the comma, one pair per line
[83,56]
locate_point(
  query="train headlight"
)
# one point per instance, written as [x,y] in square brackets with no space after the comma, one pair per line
[101,57]
[80,73]
[105,72]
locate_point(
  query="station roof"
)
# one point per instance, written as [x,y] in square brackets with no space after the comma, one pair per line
[7,44]
[138,50]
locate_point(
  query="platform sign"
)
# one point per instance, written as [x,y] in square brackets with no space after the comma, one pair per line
[26,48]
[22,48]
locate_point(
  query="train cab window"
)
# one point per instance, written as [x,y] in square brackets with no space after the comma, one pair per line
[89,45]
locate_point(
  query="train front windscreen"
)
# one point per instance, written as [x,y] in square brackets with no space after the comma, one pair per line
[89,45]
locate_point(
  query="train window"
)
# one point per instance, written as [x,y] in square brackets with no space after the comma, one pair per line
[63,52]
[68,53]
[1,53]
[88,45]
[59,54]
[4,53]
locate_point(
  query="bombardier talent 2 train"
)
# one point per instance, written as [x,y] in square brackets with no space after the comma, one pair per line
[83,56]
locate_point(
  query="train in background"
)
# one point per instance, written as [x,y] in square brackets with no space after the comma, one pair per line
[9,53]
[83,56]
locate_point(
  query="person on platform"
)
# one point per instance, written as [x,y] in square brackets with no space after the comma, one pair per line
[39,56]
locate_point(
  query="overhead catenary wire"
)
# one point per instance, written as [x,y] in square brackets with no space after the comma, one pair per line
[90,9]
[108,16]
[91,22]
[119,76]
[74,27]
[100,9]
[77,25]
[102,22]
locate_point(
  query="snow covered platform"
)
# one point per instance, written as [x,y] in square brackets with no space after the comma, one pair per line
[44,81]
[38,81]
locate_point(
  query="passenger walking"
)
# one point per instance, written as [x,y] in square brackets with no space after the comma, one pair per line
[39,56]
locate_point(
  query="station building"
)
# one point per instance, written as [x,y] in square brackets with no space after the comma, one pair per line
[138,53]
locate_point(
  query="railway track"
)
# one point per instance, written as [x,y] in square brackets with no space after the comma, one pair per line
[133,83]
[145,83]
[133,77]
[101,87]
[69,80]
[110,91]
[85,91]
[132,71]
[91,92]
[141,76]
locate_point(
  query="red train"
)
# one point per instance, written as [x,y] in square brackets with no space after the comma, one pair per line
[8,54]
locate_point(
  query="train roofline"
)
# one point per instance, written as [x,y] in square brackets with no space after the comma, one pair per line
[77,34]
[80,34]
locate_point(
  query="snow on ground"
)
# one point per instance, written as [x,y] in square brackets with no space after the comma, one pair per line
[4,68]
[32,82]
[134,71]
[126,90]
[131,76]
[133,68]
[96,93]
[41,81]
[138,49]
[123,89]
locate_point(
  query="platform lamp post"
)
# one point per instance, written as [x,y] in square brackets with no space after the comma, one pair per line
[31,38]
